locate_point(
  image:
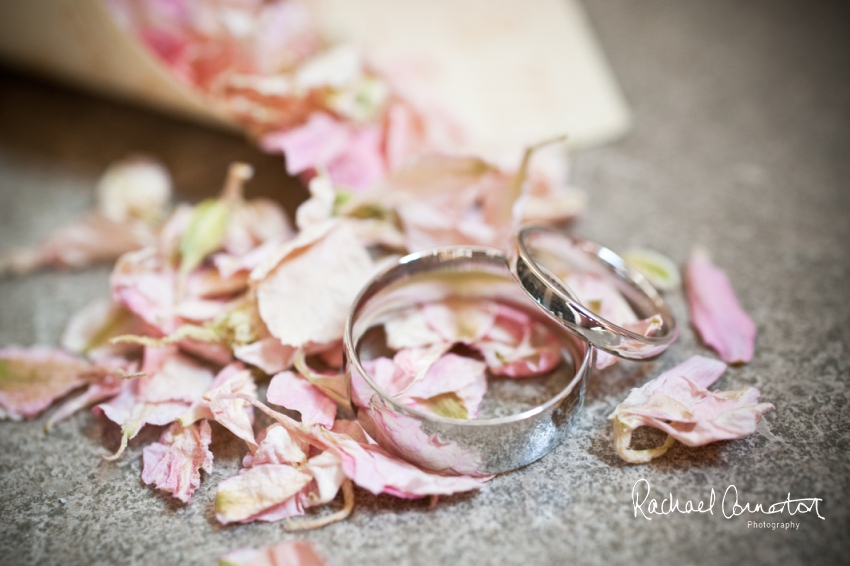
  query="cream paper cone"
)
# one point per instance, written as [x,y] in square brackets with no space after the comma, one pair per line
[514,72]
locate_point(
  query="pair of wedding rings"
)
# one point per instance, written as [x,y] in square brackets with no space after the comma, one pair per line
[526,277]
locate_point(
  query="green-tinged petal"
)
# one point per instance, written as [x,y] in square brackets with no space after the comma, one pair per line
[204,235]
[659,269]
[199,333]
[448,405]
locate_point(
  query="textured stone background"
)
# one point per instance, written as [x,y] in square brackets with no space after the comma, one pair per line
[741,144]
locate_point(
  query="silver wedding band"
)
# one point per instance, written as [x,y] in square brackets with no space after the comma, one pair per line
[552,294]
[495,445]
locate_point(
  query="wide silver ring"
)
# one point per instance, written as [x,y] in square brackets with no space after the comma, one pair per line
[477,446]
[539,279]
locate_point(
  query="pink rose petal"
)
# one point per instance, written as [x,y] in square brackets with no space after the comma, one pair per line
[91,239]
[256,491]
[404,437]
[95,393]
[297,394]
[268,354]
[234,414]
[518,345]
[174,463]
[293,553]
[716,313]
[306,298]
[276,446]
[375,470]
[33,378]
[678,403]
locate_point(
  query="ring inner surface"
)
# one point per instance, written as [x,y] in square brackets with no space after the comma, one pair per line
[466,287]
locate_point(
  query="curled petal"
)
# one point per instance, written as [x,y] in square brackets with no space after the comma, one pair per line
[374,469]
[518,345]
[716,313]
[678,403]
[229,410]
[297,394]
[32,378]
[174,463]
[268,354]
[91,239]
[95,393]
[277,447]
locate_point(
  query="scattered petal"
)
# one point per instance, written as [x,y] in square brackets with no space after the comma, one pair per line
[293,553]
[305,299]
[33,378]
[297,394]
[678,403]
[716,313]
[374,469]
[174,463]
[256,491]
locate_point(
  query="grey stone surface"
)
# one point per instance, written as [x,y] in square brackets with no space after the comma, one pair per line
[742,145]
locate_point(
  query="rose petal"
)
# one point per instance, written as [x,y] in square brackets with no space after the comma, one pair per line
[174,463]
[254,491]
[307,296]
[716,313]
[678,403]
[295,393]
[277,447]
[33,378]
[375,470]
[95,393]
[293,553]
[234,414]
[90,239]
[268,354]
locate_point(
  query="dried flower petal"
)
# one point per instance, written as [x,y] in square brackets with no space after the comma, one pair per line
[255,491]
[351,156]
[95,393]
[293,553]
[375,470]
[90,330]
[305,299]
[174,463]
[276,446]
[32,378]
[268,354]
[90,239]
[134,188]
[297,394]
[659,269]
[715,311]
[678,403]
[235,414]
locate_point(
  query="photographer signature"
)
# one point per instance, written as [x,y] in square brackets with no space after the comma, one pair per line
[729,505]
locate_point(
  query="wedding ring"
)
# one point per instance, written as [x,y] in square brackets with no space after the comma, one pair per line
[539,258]
[494,444]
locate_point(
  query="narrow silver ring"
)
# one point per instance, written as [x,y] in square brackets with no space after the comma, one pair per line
[555,297]
[476,446]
